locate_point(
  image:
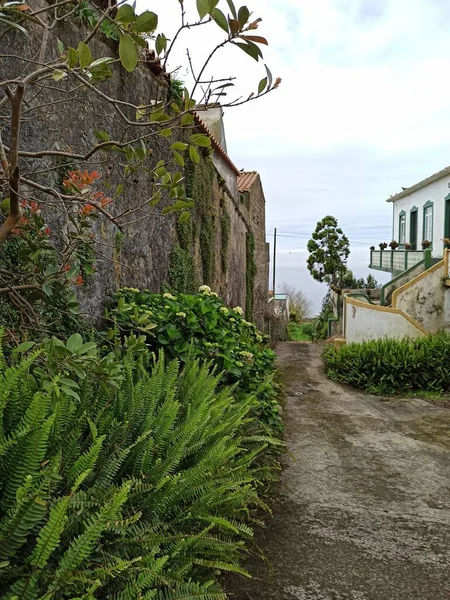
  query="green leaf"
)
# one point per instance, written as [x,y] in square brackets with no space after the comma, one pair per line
[187,119]
[74,343]
[243,15]
[101,61]
[202,8]
[127,53]
[146,22]
[200,140]
[60,46]
[24,346]
[184,217]
[47,289]
[119,189]
[165,132]
[178,158]
[262,85]
[72,57]
[194,155]
[84,55]
[232,8]
[125,14]
[181,146]
[160,44]
[57,75]
[250,49]
[221,20]
[102,135]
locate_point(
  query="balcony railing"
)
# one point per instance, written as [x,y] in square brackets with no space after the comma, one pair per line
[395,261]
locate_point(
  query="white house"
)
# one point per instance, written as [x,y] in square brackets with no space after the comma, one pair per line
[421,214]
[416,302]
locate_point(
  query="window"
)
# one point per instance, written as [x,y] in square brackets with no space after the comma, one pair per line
[428,222]
[402,228]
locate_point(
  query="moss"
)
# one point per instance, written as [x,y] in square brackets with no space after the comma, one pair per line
[199,186]
[225,227]
[250,275]
[182,272]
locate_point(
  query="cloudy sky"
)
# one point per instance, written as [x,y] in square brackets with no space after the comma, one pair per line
[362,111]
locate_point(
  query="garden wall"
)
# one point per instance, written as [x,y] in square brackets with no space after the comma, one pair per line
[426,299]
[364,322]
[144,255]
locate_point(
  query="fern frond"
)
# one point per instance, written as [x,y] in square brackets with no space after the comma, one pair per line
[50,534]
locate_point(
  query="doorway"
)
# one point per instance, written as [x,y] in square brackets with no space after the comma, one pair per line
[447,218]
[413,230]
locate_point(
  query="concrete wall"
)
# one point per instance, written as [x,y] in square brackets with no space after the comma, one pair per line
[401,280]
[436,193]
[364,322]
[426,299]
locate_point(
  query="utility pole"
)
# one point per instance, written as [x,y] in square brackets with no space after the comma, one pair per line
[274,258]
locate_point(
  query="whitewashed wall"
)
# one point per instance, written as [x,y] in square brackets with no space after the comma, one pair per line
[436,193]
[364,322]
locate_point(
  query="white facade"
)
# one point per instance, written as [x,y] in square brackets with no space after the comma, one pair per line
[428,202]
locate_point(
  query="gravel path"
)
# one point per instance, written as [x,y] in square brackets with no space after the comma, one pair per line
[363,511]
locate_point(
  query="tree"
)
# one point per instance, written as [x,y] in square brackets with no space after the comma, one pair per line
[60,58]
[351,283]
[300,305]
[328,251]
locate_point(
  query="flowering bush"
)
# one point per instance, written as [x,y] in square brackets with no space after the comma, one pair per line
[200,325]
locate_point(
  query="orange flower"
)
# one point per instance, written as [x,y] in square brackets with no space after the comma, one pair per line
[47,231]
[79,280]
[86,209]
[105,201]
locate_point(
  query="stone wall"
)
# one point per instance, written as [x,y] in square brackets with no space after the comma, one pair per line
[142,256]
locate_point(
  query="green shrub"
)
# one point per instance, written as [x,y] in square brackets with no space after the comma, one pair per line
[320,323]
[118,481]
[201,326]
[392,366]
[300,332]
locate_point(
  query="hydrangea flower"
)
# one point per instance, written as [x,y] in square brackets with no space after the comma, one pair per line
[224,309]
[238,310]
[204,289]
[181,314]
[168,296]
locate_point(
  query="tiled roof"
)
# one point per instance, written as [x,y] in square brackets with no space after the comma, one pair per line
[246,180]
[420,185]
[215,144]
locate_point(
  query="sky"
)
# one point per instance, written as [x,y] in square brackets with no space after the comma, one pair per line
[363,109]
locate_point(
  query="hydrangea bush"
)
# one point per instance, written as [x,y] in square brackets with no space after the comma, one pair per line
[201,326]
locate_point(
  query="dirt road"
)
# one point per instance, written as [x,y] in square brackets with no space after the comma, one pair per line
[363,512]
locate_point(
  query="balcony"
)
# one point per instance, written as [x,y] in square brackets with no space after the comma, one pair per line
[395,261]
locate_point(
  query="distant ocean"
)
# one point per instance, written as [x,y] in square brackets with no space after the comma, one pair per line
[291,269]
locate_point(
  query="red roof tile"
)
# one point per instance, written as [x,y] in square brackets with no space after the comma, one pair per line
[246,180]
[215,144]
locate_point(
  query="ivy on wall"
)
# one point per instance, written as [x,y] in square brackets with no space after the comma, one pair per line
[199,186]
[225,228]
[182,274]
[250,275]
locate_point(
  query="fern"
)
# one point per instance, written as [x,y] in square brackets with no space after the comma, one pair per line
[142,488]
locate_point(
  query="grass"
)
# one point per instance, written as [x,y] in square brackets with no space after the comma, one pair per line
[300,332]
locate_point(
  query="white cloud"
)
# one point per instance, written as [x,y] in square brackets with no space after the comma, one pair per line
[363,107]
